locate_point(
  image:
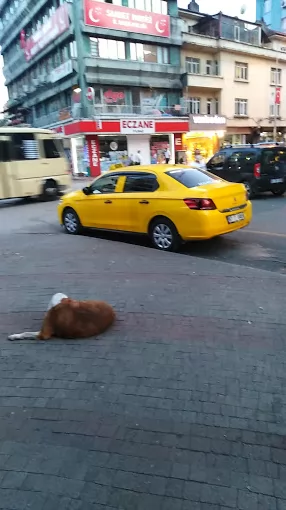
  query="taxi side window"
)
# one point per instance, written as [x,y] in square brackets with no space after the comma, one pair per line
[140,183]
[106,184]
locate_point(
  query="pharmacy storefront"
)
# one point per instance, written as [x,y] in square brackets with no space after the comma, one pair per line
[100,146]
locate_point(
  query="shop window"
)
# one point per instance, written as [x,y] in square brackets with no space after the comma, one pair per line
[106,184]
[140,183]
[52,148]
[24,146]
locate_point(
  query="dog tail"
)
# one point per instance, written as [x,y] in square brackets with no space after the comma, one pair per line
[24,336]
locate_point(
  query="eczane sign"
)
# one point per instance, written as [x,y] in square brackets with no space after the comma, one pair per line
[137,126]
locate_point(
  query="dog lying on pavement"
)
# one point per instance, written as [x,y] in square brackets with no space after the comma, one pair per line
[70,319]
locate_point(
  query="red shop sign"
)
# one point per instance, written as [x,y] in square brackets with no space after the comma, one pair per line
[112,97]
[178,142]
[53,28]
[93,154]
[105,15]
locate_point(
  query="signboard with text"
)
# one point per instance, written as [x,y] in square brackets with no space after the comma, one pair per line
[93,155]
[61,71]
[106,15]
[137,126]
[207,122]
[56,25]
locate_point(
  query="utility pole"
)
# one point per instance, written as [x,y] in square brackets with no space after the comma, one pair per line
[275,103]
[77,15]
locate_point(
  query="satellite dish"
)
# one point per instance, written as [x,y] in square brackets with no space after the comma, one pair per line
[243,9]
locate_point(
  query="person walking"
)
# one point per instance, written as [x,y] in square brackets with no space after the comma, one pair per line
[167,155]
[138,158]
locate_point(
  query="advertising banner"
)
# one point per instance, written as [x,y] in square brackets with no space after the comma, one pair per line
[93,155]
[106,15]
[49,31]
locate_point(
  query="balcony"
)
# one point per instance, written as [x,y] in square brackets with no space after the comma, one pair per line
[131,72]
[103,111]
[201,81]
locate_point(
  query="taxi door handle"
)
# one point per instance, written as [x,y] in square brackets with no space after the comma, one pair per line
[108,202]
[144,202]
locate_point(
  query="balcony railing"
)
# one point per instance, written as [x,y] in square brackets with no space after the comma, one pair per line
[107,112]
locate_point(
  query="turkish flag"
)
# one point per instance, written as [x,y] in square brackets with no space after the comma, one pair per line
[277,95]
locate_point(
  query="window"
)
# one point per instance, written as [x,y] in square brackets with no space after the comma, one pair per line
[4,150]
[267,6]
[106,184]
[236,33]
[149,53]
[241,107]
[107,48]
[275,76]
[140,183]
[216,106]
[158,6]
[212,67]
[237,160]
[209,106]
[53,148]
[241,71]
[24,147]
[217,162]
[195,105]
[275,110]
[193,177]
[193,65]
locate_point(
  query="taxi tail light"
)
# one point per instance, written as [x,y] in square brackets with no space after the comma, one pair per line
[257,170]
[200,204]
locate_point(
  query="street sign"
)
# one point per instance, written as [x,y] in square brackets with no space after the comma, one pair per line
[90,93]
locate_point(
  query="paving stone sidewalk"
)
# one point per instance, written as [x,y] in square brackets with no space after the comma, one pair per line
[181,406]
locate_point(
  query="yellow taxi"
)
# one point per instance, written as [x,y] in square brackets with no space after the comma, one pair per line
[169,203]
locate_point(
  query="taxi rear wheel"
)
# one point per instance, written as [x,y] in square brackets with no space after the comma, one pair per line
[164,234]
[71,222]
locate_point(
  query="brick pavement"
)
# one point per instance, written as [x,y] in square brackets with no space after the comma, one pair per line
[181,406]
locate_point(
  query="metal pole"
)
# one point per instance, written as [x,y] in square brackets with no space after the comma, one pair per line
[77,11]
[275,105]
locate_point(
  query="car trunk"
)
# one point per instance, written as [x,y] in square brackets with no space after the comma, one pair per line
[226,196]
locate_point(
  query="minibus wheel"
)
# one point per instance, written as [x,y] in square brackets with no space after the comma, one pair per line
[50,190]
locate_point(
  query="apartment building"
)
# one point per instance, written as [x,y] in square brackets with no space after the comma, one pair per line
[100,61]
[272,13]
[234,73]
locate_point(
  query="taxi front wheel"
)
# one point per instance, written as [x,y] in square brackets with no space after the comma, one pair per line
[164,235]
[71,222]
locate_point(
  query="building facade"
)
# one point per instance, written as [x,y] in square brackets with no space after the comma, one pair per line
[234,72]
[272,13]
[100,61]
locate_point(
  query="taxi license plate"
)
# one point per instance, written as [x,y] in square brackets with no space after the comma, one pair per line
[235,217]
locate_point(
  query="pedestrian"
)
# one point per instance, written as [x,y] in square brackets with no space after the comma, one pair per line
[199,159]
[138,158]
[167,155]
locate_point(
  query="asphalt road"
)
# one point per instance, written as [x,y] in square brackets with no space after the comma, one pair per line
[261,245]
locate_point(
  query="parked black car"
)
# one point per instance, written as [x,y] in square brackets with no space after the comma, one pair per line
[260,167]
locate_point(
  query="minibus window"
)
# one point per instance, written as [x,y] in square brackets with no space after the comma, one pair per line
[24,146]
[4,151]
[53,148]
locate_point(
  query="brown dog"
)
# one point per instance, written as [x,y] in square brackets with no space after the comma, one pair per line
[68,318]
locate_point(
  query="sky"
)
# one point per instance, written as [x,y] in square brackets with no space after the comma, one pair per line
[206,7]
[226,6]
